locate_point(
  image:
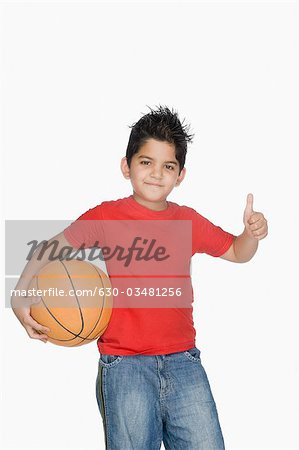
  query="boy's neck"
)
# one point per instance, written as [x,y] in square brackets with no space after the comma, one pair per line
[155,206]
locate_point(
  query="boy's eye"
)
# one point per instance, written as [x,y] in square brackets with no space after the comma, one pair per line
[168,166]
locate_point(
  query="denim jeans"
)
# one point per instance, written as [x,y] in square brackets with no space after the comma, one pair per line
[147,399]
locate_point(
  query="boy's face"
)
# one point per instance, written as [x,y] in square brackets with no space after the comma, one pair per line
[154,172]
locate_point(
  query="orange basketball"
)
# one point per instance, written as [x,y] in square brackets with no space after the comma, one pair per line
[76,301]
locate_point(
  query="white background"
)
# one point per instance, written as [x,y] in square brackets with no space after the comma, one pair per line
[74,76]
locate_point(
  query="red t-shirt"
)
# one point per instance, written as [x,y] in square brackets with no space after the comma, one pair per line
[150,330]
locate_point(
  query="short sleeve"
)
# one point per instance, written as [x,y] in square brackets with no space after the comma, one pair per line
[208,237]
[87,230]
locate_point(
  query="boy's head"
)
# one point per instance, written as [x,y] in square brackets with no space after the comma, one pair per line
[162,125]
[155,157]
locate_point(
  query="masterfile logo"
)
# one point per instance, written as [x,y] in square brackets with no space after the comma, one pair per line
[148,262]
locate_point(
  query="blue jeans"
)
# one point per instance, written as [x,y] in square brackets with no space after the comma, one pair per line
[147,399]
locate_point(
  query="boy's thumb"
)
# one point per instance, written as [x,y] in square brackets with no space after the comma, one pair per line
[35,300]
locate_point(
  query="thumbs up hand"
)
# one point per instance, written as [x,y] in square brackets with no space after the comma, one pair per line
[255,223]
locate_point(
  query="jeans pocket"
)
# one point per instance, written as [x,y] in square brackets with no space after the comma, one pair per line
[109,360]
[193,354]
[99,391]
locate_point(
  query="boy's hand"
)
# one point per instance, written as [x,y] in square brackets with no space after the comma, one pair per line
[21,308]
[255,223]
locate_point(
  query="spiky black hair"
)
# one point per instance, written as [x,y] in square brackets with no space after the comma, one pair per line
[161,124]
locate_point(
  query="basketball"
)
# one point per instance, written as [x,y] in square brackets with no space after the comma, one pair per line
[76,301]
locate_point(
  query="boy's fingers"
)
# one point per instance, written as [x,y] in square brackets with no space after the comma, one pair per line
[42,328]
[34,300]
[37,335]
[31,323]
[40,336]
[36,325]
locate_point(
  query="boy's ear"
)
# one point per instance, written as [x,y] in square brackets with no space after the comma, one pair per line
[125,168]
[181,177]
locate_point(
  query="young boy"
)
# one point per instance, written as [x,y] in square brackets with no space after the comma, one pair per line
[151,385]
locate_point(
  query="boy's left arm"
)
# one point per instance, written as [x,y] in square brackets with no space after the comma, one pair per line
[256,228]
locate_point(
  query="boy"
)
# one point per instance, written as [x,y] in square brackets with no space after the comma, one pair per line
[151,385]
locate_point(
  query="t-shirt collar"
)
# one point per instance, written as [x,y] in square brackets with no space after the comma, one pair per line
[146,212]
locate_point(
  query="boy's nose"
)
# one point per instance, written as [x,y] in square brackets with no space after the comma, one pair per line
[156,173]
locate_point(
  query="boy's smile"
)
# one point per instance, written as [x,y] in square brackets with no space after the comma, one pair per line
[154,172]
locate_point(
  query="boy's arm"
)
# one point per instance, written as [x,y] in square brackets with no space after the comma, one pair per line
[242,249]
[21,305]
[245,245]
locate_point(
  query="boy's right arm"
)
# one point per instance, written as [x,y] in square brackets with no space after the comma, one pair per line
[21,305]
